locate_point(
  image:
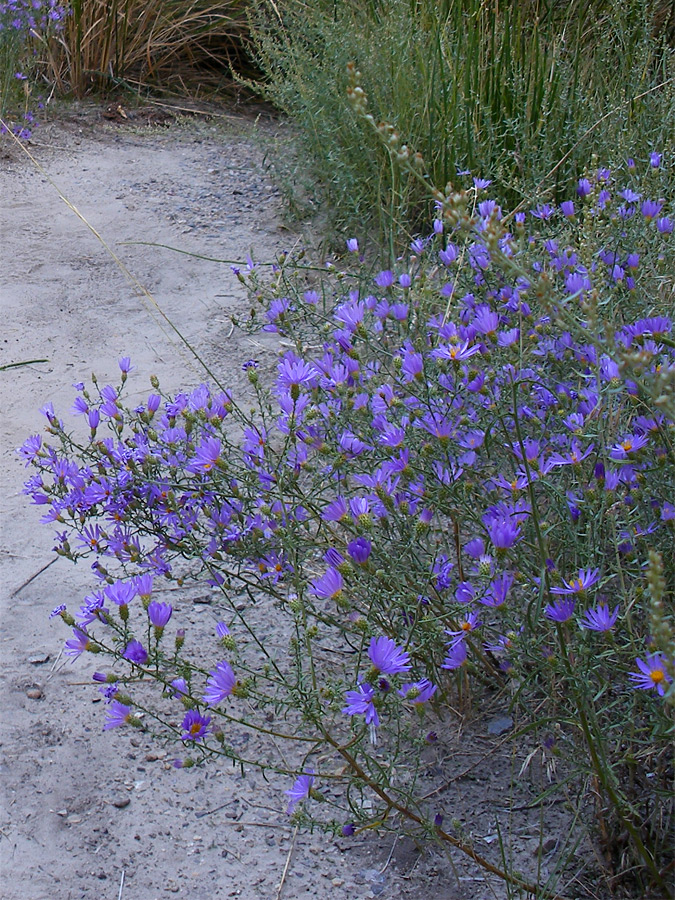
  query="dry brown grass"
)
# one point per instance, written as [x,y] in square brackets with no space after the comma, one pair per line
[108,42]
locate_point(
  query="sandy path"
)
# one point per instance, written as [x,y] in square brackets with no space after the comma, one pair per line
[83,810]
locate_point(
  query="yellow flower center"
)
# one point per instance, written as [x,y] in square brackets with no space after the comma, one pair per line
[657,676]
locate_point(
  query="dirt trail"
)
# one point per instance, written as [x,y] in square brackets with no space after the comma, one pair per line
[87,814]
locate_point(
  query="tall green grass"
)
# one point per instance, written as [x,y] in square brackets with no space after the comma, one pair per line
[510,91]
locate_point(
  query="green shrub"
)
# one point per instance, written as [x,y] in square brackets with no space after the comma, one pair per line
[507,91]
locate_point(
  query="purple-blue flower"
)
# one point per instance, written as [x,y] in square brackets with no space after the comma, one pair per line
[206,457]
[220,684]
[359,550]
[121,592]
[600,618]
[300,790]
[466,626]
[116,714]
[503,532]
[361,702]
[78,643]
[135,652]
[579,585]
[328,586]
[652,674]
[386,657]
[418,691]
[159,613]
[456,656]
[195,726]
[560,611]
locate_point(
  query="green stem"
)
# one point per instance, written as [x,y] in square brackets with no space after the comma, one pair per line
[602,769]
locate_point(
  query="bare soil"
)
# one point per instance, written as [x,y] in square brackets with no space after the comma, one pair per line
[95,815]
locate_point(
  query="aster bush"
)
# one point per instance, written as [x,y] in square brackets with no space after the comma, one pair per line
[22,24]
[463,474]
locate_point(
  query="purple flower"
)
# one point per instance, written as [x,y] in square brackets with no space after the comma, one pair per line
[418,691]
[328,586]
[78,643]
[206,457]
[449,255]
[470,623]
[121,593]
[498,590]
[456,352]
[135,652]
[664,225]
[475,548]
[159,613]
[353,245]
[195,726]
[560,611]
[384,279]
[584,187]
[143,586]
[503,532]
[30,448]
[220,684]
[655,160]
[584,580]
[650,209]
[348,830]
[668,512]
[178,688]
[361,702]
[300,790]
[295,373]
[652,674]
[600,618]
[465,592]
[631,443]
[386,657]
[359,550]
[117,714]
[336,510]
[456,656]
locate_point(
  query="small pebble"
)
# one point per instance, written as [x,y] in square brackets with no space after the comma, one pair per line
[33,693]
[155,755]
[500,725]
[121,801]
[38,659]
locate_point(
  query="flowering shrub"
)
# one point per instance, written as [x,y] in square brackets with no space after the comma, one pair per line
[22,21]
[464,471]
